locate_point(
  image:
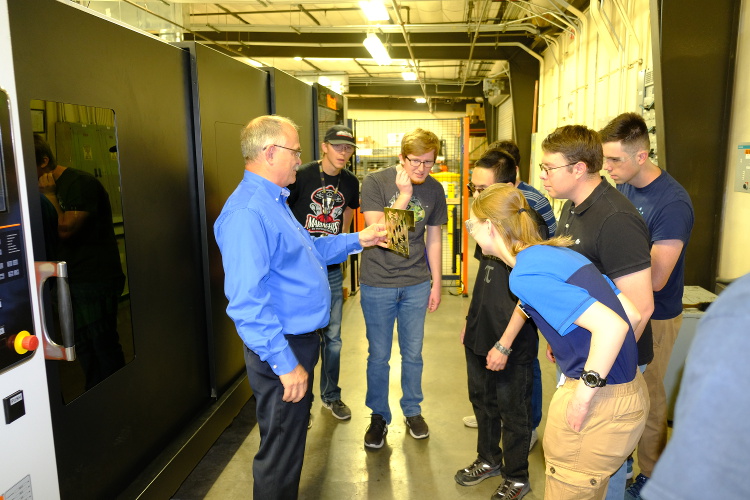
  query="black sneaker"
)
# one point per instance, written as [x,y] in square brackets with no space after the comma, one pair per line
[476,473]
[339,409]
[634,490]
[511,490]
[417,427]
[376,431]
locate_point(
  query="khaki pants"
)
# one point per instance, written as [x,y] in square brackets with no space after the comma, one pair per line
[578,464]
[654,437]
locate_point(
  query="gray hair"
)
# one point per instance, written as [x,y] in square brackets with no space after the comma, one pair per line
[261,132]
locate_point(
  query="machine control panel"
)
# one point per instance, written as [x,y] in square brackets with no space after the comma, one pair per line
[16,343]
[16,320]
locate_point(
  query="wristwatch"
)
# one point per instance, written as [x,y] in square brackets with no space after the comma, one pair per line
[593,379]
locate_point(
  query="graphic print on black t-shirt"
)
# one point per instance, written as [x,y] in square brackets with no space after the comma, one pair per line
[326,206]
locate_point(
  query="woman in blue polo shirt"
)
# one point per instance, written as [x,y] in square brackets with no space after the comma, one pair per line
[597,416]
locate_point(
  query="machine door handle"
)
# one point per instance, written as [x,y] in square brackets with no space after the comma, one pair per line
[52,350]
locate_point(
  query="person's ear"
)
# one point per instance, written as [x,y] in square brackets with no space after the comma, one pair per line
[580,169]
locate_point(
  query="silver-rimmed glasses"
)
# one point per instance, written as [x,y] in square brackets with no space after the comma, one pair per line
[295,152]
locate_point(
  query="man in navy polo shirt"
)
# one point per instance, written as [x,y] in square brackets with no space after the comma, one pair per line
[666,207]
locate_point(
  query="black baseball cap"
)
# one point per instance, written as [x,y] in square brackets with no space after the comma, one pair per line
[339,134]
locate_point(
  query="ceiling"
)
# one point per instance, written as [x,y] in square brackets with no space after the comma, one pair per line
[453,46]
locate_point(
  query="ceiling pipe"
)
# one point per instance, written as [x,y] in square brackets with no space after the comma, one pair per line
[596,15]
[565,23]
[145,9]
[590,75]
[479,22]
[628,24]
[400,21]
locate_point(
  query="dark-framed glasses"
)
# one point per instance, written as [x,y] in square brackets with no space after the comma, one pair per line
[544,168]
[295,152]
[415,162]
[474,189]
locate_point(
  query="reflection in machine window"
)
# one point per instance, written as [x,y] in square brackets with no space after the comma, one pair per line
[82,216]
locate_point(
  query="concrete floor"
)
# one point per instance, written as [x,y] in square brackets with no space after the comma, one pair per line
[338,466]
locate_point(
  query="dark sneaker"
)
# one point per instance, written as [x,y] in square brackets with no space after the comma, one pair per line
[417,427]
[476,473]
[375,435]
[511,490]
[339,409]
[634,490]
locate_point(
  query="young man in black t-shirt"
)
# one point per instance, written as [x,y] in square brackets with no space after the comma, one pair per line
[323,200]
[86,241]
[499,359]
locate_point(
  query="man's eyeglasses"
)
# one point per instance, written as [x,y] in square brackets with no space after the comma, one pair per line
[342,148]
[544,168]
[474,189]
[295,152]
[415,162]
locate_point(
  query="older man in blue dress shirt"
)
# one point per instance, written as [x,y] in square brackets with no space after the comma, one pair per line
[272,270]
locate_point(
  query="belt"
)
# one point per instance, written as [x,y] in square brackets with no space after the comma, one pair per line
[304,335]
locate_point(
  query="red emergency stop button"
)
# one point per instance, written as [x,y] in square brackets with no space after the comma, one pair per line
[25,342]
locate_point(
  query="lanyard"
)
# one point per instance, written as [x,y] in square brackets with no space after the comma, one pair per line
[328,196]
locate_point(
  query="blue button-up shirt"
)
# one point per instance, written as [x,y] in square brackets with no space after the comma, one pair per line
[275,273]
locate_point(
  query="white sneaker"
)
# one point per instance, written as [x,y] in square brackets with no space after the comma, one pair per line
[470,421]
[534,439]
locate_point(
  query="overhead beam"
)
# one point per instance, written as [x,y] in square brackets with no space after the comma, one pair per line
[356,37]
[387,103]
[414,90]
[421,53]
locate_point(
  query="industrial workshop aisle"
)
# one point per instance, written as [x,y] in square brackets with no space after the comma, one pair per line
[337,465]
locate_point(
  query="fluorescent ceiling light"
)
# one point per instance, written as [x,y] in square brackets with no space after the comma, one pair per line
[298,58]
[421,100]
[377,50]
[253,62]
[374,10]
[409,76]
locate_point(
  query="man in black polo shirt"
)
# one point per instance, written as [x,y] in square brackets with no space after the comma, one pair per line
[605,226]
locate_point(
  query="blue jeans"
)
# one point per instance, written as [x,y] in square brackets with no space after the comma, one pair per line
[381,308]
[330,341]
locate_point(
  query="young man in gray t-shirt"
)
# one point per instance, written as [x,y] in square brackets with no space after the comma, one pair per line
[396,287]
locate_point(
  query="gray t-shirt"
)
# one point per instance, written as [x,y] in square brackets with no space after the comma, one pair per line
[387,269]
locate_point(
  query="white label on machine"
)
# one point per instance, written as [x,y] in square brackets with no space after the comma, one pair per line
[20,491]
